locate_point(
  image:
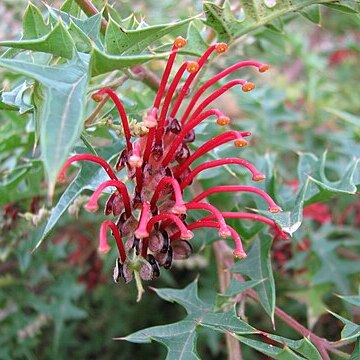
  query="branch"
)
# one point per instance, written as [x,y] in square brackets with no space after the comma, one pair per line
[224,278]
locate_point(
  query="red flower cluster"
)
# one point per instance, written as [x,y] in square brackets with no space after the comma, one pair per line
[151,227]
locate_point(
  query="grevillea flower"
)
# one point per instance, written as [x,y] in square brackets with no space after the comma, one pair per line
[150,225]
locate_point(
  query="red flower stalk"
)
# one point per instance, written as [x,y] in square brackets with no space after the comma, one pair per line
[152,219]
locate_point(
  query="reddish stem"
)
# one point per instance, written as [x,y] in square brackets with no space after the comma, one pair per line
[88,157]
[256,174]
[179,207]
[223,228]
[250,216]
[239,250]
[273,207]
[122,112]
[185,233]
[104,246]
[217,94]
[169,94]
[190,79]
[92,204]
[185,130]
[210,145]
[222,74]
[139,179]
[160,92]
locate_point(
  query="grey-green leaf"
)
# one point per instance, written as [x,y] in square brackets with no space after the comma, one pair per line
[34,26]
[120,41]
[257,266]
[58,42]
[312,13]
[180,337]
[61,118]
[102,63]
[89,178]
[15,97]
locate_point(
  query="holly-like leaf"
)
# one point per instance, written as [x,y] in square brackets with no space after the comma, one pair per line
[235,288]
[81,40]
[58,42]
[133,42]
[89,26]
[312,13]
[102,63]
[333,269]
[289,221]
[89,177]
[15,97]
[196,45]
[34,26]
[353,300]
[61,115]
[180,338]
[259,13]
[350,331]
[270,350]
[314,169]
[257,266]
[303,346]
[61,309]
[314,186]
[222,20]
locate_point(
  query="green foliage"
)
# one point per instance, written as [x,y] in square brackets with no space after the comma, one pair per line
[257,266]
[180,338]
[58,301]
[89,178]
[61,120]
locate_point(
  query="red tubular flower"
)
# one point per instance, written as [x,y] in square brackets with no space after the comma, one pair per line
[151,220]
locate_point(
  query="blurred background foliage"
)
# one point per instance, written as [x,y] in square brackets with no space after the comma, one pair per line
[60,301]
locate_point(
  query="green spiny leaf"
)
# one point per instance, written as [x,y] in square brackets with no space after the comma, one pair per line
[15,97]
[257,266]
[62,111]
[259,13]
[351,331]
[90,26]
[195,45]
[81,40]
[270,350]
[303,346]
[89,178]
[132,42]
[34,26]
[70,7]
[312,13]
[180,338]
[102,63]
[222,20]
[58,42]
[333,269]
[353,300]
